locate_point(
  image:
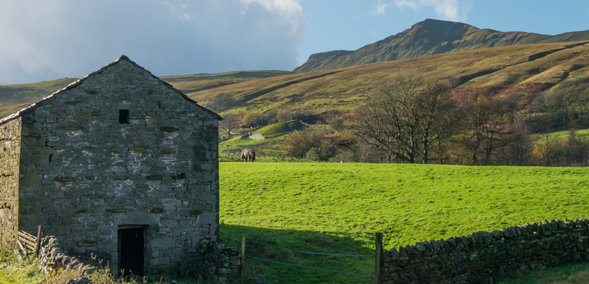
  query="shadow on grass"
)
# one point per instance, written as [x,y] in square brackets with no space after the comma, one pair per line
[568,274]
[288,246]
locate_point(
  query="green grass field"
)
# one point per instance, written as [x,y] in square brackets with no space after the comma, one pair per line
[569,274]
[337,208]
[285,208]
[563,134]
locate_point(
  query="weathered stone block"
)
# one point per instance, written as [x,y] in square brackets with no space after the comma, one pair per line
[33,141]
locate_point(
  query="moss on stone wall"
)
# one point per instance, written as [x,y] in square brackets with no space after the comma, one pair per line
[10,139]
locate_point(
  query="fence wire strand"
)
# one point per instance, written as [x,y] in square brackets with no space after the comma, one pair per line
[308,267]
[315,253]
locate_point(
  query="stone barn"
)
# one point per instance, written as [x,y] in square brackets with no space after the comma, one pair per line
[119,164]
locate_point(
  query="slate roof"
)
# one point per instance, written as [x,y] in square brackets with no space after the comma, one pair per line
[79,81]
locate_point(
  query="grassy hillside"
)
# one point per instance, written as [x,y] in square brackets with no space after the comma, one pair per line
[345,88]
[427,38]
[26,93]
[15,97]
[224,76]
[337,208]
[273,145]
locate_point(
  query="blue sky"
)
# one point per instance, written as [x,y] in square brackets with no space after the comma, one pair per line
[45,40]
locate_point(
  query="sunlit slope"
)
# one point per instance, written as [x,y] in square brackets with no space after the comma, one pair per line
[29,93]
[18,96]
[408,203]
[345,88]
[337,208]
[427,38]
[203,81]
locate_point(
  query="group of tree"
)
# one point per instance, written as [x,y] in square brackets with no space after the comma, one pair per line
[409,119]
[565,107]
[572,151]
[413,120]
[319,144]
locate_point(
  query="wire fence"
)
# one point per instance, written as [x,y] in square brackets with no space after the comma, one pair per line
[311,253]
[309,267]
[315,253]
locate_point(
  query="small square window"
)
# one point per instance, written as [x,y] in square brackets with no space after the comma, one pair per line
[124,116]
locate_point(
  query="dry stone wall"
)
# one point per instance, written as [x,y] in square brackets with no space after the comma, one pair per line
[9,173]
[121,148]
[212,262]
[217,262]
[53,258]
[484,257]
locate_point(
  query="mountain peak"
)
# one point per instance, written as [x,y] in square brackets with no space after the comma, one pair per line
[427,37]
[428,22]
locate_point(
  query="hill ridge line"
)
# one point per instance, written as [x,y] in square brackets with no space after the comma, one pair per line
[429,37]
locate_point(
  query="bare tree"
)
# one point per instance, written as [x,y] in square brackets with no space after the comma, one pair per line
[518,145]
[406,118]
[230,121]
[437,121]
[482,128]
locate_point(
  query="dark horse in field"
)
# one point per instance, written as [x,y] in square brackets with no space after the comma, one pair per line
[248,155]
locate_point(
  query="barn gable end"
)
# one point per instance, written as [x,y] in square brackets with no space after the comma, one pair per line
[116,155]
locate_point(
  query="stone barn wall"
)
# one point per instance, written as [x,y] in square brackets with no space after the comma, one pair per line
[10,158]
[485,257]
[88,172]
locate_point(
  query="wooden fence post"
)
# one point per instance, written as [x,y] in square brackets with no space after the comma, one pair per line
[40,233]
[378,259]
[242,255]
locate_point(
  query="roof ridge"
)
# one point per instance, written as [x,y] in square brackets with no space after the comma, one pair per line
[102,69]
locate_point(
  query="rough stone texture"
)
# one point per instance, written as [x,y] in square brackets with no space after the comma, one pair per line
[213,261]
[53,258]
[84,175]
[485,257]
[9,171]
[218,262]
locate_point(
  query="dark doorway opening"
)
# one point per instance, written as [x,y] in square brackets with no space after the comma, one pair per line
[124,116]
[132,250]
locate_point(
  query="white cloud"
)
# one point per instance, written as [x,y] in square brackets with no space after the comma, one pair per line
[447,9]
[179,11]
[288,10]
[45,40]
[381,8]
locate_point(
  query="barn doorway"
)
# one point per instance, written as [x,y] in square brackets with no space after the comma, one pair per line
[132,250]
